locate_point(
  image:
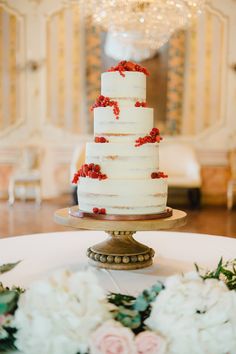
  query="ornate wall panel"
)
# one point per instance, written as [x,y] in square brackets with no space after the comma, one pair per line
[12,77]
[93,66]
[175,83]
[206,62]
[63,69]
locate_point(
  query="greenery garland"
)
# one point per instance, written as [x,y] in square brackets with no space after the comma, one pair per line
[130,311]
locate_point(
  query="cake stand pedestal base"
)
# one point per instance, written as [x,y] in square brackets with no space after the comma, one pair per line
[120,251]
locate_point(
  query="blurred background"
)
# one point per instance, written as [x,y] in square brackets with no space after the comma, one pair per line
[52,53]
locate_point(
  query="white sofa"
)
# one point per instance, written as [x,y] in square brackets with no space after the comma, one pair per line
[180,162]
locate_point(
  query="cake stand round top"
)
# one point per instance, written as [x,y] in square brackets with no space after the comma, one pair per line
[63,216]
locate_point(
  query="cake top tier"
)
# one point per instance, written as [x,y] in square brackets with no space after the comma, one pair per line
[125,80]
[115,86]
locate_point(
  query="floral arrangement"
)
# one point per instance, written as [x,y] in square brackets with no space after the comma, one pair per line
[69,313]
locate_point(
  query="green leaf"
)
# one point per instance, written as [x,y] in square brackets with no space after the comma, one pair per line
[219,267]
[225,272]
[7,267]
[7,343]
[8,301]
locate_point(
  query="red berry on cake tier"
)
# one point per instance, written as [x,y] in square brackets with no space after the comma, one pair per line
[153,137]
[99,211]
[89,170]
[140,104]
[158,175]
[100,139]
[128,66]
[75,178]
[103,101]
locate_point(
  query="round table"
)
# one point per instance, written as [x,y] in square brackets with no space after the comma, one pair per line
[175,252]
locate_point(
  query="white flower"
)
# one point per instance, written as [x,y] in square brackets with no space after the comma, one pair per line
[58,314]
[195,316]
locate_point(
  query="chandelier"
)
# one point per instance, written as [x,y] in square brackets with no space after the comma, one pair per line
[145,24]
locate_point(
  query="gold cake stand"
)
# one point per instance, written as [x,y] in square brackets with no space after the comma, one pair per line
[120,250]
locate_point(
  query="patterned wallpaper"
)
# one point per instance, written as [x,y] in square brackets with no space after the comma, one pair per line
[10,72]
[175,83]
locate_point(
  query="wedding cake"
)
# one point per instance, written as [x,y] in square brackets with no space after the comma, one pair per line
[121,173]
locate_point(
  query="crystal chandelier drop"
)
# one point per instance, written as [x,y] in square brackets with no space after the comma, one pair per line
[147,23]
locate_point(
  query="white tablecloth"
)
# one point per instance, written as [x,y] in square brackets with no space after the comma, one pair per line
[175,252]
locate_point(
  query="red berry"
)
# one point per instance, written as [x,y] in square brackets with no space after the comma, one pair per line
[102,211]
[85,169]
[154,131]
[90,166]
[97,168]
[75,178]
[154,175]
[95,210]
[94,175]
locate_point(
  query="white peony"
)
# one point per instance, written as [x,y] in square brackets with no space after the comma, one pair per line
[195,316]
[57,315]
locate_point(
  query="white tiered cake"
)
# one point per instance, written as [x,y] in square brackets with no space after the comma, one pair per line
[121,173]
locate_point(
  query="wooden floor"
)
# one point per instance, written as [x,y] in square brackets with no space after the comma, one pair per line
[26,218]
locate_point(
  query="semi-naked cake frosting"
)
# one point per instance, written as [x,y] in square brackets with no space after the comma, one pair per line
[121,172]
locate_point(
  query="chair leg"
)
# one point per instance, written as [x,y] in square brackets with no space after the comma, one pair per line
[230,193]
[11,195]
[38,194]
[194,197]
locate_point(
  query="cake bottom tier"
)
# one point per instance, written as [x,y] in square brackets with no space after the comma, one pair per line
[123,197]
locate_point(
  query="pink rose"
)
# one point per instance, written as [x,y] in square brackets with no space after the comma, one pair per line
[148,342]
[112,338]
